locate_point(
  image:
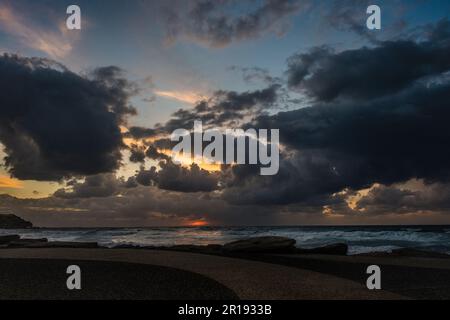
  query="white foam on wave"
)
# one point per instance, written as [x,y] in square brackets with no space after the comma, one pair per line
[353,250]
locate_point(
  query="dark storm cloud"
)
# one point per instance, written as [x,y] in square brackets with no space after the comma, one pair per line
[354,145]
[308,178]
[224,108]
[55,123]
[146,177]
[402,200]
[153,153]
[139,133]
[207,21]
[368,73]
[440,32]
[137,154]
[396,133]
[140,153]
[141,206]
[100,185]
[174,177]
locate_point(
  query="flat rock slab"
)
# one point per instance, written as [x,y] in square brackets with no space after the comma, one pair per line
[39,279]
[251,280]
[261,245]
[62,244]
[8,239]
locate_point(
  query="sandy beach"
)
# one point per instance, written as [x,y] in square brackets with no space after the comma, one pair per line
[167,275]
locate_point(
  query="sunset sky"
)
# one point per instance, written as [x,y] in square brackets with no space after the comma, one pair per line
[85,115]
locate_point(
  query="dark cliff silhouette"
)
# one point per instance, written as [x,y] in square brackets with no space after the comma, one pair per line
[11,221]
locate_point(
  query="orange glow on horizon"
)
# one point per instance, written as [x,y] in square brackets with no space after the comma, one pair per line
[198,223]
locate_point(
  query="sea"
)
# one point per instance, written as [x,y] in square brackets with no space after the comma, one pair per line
[360,239]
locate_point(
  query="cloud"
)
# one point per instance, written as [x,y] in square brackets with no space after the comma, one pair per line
[390,131]
[351,137]
[440,32]
[372,126]
[137,154]
[139,133]
[55,42]
[224,108]
[350,15]
[7,182]
[150,206]
[368,73]
[153,153]
[56,124]
[403,199]
[100,185]
[207,22]
[354,145]
[140,206]
[182,96]
[256,74]
[175,177]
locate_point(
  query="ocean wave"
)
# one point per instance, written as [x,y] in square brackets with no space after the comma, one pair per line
[359,239]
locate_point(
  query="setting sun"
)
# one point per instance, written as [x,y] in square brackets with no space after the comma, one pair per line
[198,223]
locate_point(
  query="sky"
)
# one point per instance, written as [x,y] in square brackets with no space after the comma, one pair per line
[86,115]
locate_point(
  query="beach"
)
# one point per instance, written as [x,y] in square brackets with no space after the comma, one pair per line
[40,273]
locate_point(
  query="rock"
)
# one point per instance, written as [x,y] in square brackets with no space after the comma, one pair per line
[261,245]
[214,247]
[185,247]
[62,244]
[210,248]
[11,221]
[333,249]
[25,242]
[126,246]
[409,252]
[8,239]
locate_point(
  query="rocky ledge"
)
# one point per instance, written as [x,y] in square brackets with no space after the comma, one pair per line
[258,245]
[11,221]
[407,252]
[241,248]
[261,245]
[14,241]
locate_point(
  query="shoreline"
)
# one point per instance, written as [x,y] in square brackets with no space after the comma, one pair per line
[361,240]
[287,245]
[276,272]
[16,241]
